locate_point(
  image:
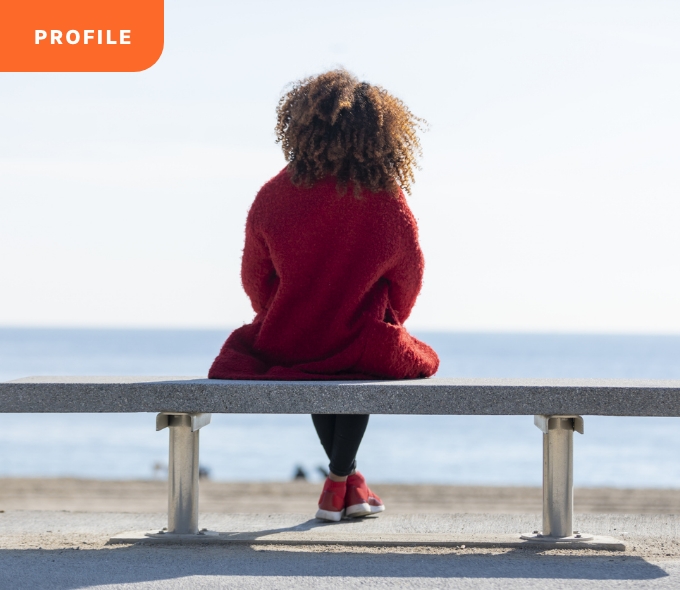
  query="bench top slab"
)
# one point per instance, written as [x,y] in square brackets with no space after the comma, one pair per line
[605,397]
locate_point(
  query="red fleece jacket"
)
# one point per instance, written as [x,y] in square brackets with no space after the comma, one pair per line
[331,279]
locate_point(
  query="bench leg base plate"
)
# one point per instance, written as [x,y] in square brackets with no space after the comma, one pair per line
[157,536]
[571,540]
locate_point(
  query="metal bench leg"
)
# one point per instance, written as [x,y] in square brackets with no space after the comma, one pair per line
[183,470]
[558,479]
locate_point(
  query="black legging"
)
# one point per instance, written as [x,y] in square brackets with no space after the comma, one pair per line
[341,435]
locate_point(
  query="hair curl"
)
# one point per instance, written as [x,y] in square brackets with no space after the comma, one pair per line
[334,125]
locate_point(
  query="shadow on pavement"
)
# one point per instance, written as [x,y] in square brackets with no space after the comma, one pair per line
[142,564]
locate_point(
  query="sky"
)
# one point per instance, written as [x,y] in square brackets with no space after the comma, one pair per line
[548,197]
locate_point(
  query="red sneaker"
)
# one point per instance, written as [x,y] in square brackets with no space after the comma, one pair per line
[332,500]
[359,499]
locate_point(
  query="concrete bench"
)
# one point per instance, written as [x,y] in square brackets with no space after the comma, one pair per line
[184,405]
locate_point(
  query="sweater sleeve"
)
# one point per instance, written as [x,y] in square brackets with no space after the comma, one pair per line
[406,274]
[258,275]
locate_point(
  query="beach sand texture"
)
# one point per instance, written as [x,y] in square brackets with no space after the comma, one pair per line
[297,497]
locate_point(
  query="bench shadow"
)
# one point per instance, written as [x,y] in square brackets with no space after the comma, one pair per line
[68,569]
[308,525]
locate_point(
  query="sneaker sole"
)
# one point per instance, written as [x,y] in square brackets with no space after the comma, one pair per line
[362,510]
[330,515]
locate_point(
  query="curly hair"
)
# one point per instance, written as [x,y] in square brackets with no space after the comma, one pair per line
[334,125]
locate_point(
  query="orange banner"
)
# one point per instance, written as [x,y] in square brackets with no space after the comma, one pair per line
[80,35]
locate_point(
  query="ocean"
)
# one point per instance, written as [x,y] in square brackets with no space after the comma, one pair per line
[488,450]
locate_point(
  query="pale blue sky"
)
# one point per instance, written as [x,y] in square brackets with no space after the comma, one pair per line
[549,195]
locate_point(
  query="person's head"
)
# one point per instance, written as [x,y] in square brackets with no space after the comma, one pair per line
[334,125]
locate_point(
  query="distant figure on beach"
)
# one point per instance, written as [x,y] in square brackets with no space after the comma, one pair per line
[332,263]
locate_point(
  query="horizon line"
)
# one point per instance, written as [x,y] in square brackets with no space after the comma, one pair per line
[421,330]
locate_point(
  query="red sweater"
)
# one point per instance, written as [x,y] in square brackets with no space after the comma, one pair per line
[331,279]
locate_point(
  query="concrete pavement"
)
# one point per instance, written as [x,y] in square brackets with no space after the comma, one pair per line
[67,550]
[242,567]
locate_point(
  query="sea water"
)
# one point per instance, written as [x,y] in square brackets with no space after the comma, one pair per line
[494,450]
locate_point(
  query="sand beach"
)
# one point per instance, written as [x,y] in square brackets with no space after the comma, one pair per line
[297,497]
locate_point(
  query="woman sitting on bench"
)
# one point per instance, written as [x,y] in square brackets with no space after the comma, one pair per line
[332,264]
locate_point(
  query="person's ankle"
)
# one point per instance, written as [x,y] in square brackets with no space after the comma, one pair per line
[337,478]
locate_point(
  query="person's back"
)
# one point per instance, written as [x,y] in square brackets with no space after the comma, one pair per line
[331,277]
[332,264]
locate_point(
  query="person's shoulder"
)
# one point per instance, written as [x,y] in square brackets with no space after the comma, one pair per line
[281,192]
[270,192]
[276,184]
[393,206]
